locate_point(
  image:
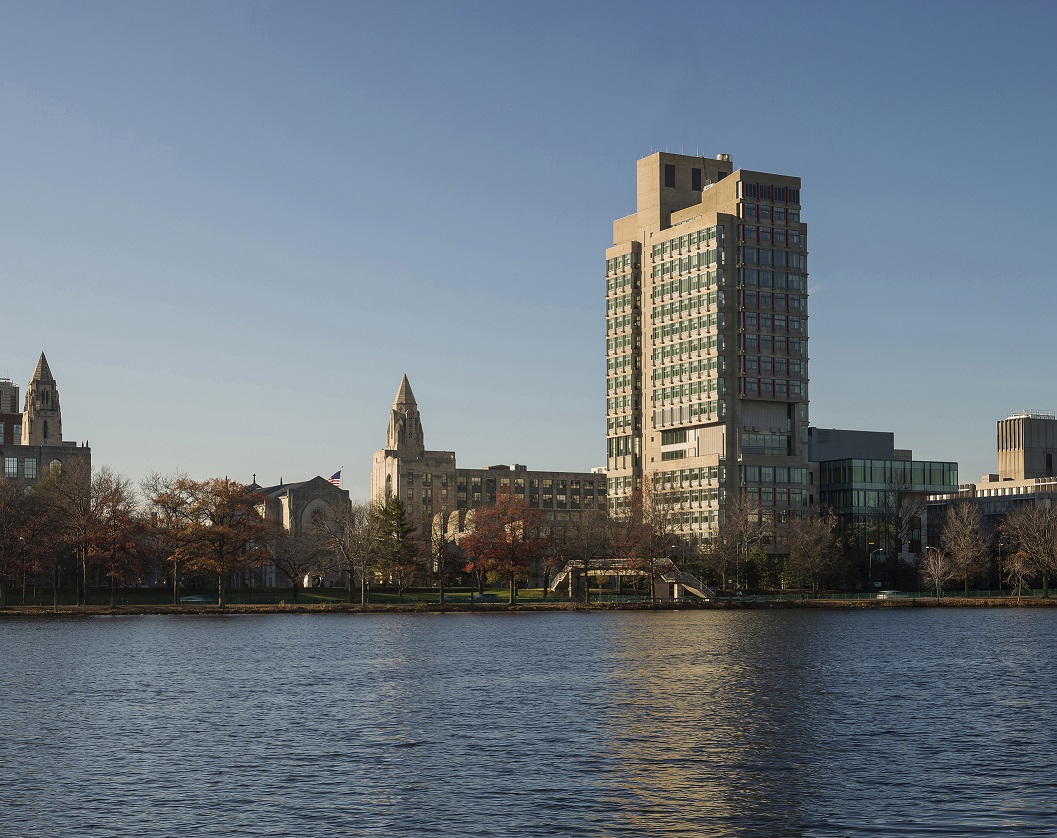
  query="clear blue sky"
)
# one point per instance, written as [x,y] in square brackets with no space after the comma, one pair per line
[232,227]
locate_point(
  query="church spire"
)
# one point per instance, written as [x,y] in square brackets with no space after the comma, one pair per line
[43,371]
[405,425]
[41,417]
[404,397]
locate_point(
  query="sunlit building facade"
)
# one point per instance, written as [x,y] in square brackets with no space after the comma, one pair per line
[706,342]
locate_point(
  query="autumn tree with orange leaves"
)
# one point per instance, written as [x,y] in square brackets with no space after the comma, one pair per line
[505,539]
[116,538]
[213,526]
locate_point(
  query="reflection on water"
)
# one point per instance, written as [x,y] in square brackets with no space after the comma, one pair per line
[810,723]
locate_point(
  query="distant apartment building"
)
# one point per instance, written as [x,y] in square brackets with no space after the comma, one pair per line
[433,488]
[34,442]
[706,342]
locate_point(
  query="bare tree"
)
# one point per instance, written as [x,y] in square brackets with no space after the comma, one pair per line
[349,533]
[586,539]
[937,569]
[1018,571]
[742,527]
[964,542]
[813,548]
[1033,529]
[297,555]
[67,490]
[900,510]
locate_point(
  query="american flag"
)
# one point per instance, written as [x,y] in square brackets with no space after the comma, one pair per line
[335,478]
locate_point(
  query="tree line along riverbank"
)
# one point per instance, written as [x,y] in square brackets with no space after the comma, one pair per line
[725,604]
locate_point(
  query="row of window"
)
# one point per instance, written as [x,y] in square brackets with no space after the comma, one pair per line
[689,305]
[773,344]
[777,388]
[755,365]
[620,446]
[755,278]
[685,369]
[619,283]
[712,495]
[704,281]
[621,382]
[620,424]
[693,262]
[619,343]
[779,215]
[679,414]
[547,485]
[29,468]
[16,433]
[695,240]
[621,322]
[916,475]
[622,263]
[535,501]
[774,474]
[693,346]
[771,300]
[689,389]
[426,479]
[617,404]
[621,485]
[766,496]
[619,363]
[753,321]
[688,476]
[768,444]
[769,192]
[692,325]
[684,518]
[767,235]
[617,303]
[773,258]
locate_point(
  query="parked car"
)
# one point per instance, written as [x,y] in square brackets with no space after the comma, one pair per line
[891,595]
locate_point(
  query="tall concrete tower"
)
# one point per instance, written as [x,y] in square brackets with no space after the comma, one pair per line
[706,342]
[42,419]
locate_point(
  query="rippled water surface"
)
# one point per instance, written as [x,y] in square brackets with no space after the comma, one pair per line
[784,723]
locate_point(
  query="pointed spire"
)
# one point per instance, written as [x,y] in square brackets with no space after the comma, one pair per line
[404,396]
[43,371]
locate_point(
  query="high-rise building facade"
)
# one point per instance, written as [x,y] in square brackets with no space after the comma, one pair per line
[706,342]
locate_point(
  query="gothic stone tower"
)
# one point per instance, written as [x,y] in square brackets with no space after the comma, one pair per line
[405,425]
[424,480]
[42,420]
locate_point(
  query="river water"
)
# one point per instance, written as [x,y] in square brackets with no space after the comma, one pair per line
[691,723]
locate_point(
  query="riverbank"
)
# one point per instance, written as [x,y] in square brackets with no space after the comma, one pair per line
[755,603]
